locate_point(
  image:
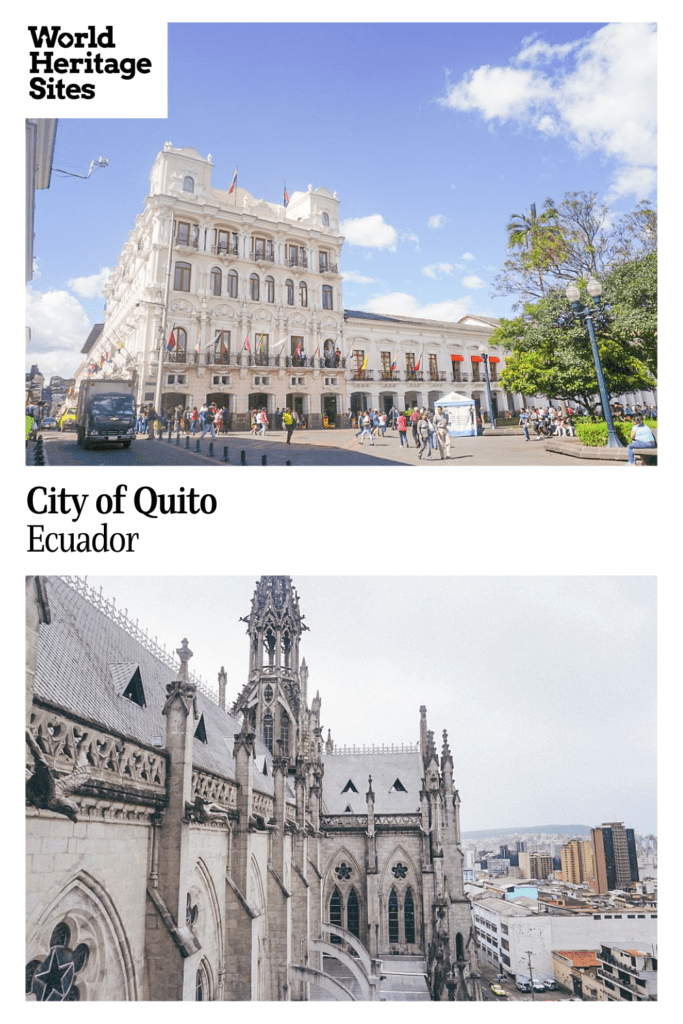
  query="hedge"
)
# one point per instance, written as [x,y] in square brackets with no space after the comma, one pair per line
[594,435]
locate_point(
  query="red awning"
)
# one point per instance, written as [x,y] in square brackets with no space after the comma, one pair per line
[457,359]
[494,359]
[476,359]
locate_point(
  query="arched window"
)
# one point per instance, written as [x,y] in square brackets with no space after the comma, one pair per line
[409,915]
[179,351]
[327,296]
[270,289]
[232,284]
[326,220]
[254,287]
[216,281]
[336,913]
[268,731]
[393,917]
[353,913]
[303,293]
[182,276]
[289,285]
[188,184]
[269,644]
[287,649]
[459,947]
[284,734]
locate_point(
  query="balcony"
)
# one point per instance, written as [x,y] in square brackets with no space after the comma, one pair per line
[177,356]
[328,268]
[225,250]
[297,262]
[262,257]
[363,375]
[181,242]
[436,375]
[414,375]
[390,375]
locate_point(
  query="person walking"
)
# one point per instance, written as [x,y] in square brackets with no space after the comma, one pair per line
[442,435]
[402,426]
[524,423]
[365,428]
[208,423]
[263,423]
[288,423]
[423,436]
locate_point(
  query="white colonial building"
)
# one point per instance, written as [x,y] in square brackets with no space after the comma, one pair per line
[243,300]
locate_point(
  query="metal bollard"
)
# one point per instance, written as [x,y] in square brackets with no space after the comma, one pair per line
[210,449]
[187,440]
[170,431]
[225,453]
[264,460]
[288,463]
[197,445]
[177,437]
[243,458]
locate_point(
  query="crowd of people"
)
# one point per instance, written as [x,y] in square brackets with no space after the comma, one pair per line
[547,422]
[428,428]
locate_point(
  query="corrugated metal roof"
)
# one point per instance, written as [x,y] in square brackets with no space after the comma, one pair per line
[79,668]
[385,769]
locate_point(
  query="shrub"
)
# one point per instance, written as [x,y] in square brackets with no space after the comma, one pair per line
[594,435]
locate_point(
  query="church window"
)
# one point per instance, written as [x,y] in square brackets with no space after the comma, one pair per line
[336,913]
[182,276]
[353,914]
[343,871]
[199,987]
[393,917]
[349,786]
[268,693]
[52,980]
[399,870]
[268,731]
[409,915]
[134,690]
[216,281]
[287,649]
[284,734]
[269,643]
[200,731]
[398,787]
[191,911]
[188,184]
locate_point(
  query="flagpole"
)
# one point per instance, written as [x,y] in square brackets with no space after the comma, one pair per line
[162,328]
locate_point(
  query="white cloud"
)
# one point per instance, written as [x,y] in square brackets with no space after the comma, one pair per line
[598,92]
[435,270]
[467,256]
[472,281]
[402,304]
[90,287]
[371,232]
[352,275]
[409,236]
[437,221]
[59,327]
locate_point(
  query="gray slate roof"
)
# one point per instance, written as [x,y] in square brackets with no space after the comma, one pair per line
[80,668]
[385,769]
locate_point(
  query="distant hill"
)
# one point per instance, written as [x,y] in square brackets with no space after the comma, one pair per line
[525,830]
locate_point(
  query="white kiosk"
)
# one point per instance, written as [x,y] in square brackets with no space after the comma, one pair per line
[462,420]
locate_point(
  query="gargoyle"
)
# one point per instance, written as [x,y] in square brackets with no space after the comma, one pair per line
[45,791]
[203,811]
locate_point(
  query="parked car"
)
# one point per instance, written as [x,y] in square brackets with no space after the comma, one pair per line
[498,991]
[67,421]
[523,984]
[49,423]
[538,985]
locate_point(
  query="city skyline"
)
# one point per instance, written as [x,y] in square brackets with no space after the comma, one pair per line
[549,703]
[432,135]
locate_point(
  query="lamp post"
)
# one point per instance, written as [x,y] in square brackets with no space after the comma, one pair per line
[595,291]
[485,360]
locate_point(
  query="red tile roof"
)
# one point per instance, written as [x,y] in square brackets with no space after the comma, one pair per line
[580,957]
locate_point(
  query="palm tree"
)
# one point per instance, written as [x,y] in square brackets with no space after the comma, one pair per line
[524,231]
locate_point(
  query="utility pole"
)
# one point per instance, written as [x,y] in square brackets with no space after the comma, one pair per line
[531,976]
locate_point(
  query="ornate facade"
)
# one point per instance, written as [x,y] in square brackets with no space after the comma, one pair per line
[178,850]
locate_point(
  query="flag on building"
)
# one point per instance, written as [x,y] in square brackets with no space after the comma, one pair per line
[170,344]
[246,347]
[317,352]
[298,349]
[234,182]
[394,364]
[364,364]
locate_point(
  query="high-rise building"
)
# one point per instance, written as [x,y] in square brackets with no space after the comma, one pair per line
[615,863]
[577,861]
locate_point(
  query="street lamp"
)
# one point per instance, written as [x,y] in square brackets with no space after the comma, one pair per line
[485,360]
[595,291]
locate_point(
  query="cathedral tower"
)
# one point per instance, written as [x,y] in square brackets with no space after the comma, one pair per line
[275,699]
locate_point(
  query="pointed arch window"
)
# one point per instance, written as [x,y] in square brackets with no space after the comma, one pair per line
[353,913]
[336,913]
[269,644]
[268,731]
[393,917]
[200,731]
[284,734]
[409,915]
[287,649]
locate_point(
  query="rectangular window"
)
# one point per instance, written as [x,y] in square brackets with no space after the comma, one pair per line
[226,242]
[181,277]
[323,261]
[385,358]
[187,234]
[327,296]
[433,368]
[410,364]
[293,255]
[221,353]
[261,349]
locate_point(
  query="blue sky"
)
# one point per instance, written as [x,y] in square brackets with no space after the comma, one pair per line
[431,134]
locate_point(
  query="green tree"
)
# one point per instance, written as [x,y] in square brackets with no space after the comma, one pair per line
[574,239]
[550,348]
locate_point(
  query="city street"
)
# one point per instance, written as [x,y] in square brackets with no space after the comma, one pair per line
[489,975]
[308,448]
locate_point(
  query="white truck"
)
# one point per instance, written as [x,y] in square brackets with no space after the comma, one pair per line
[106,412]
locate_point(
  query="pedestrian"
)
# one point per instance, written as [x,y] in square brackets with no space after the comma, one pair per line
[208,423]
[365,428]
[151,417]
[414,419]
[402,426]
[288,422]
[524,423]
[442,435]
[263,423]
[423,436]
[641,437]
